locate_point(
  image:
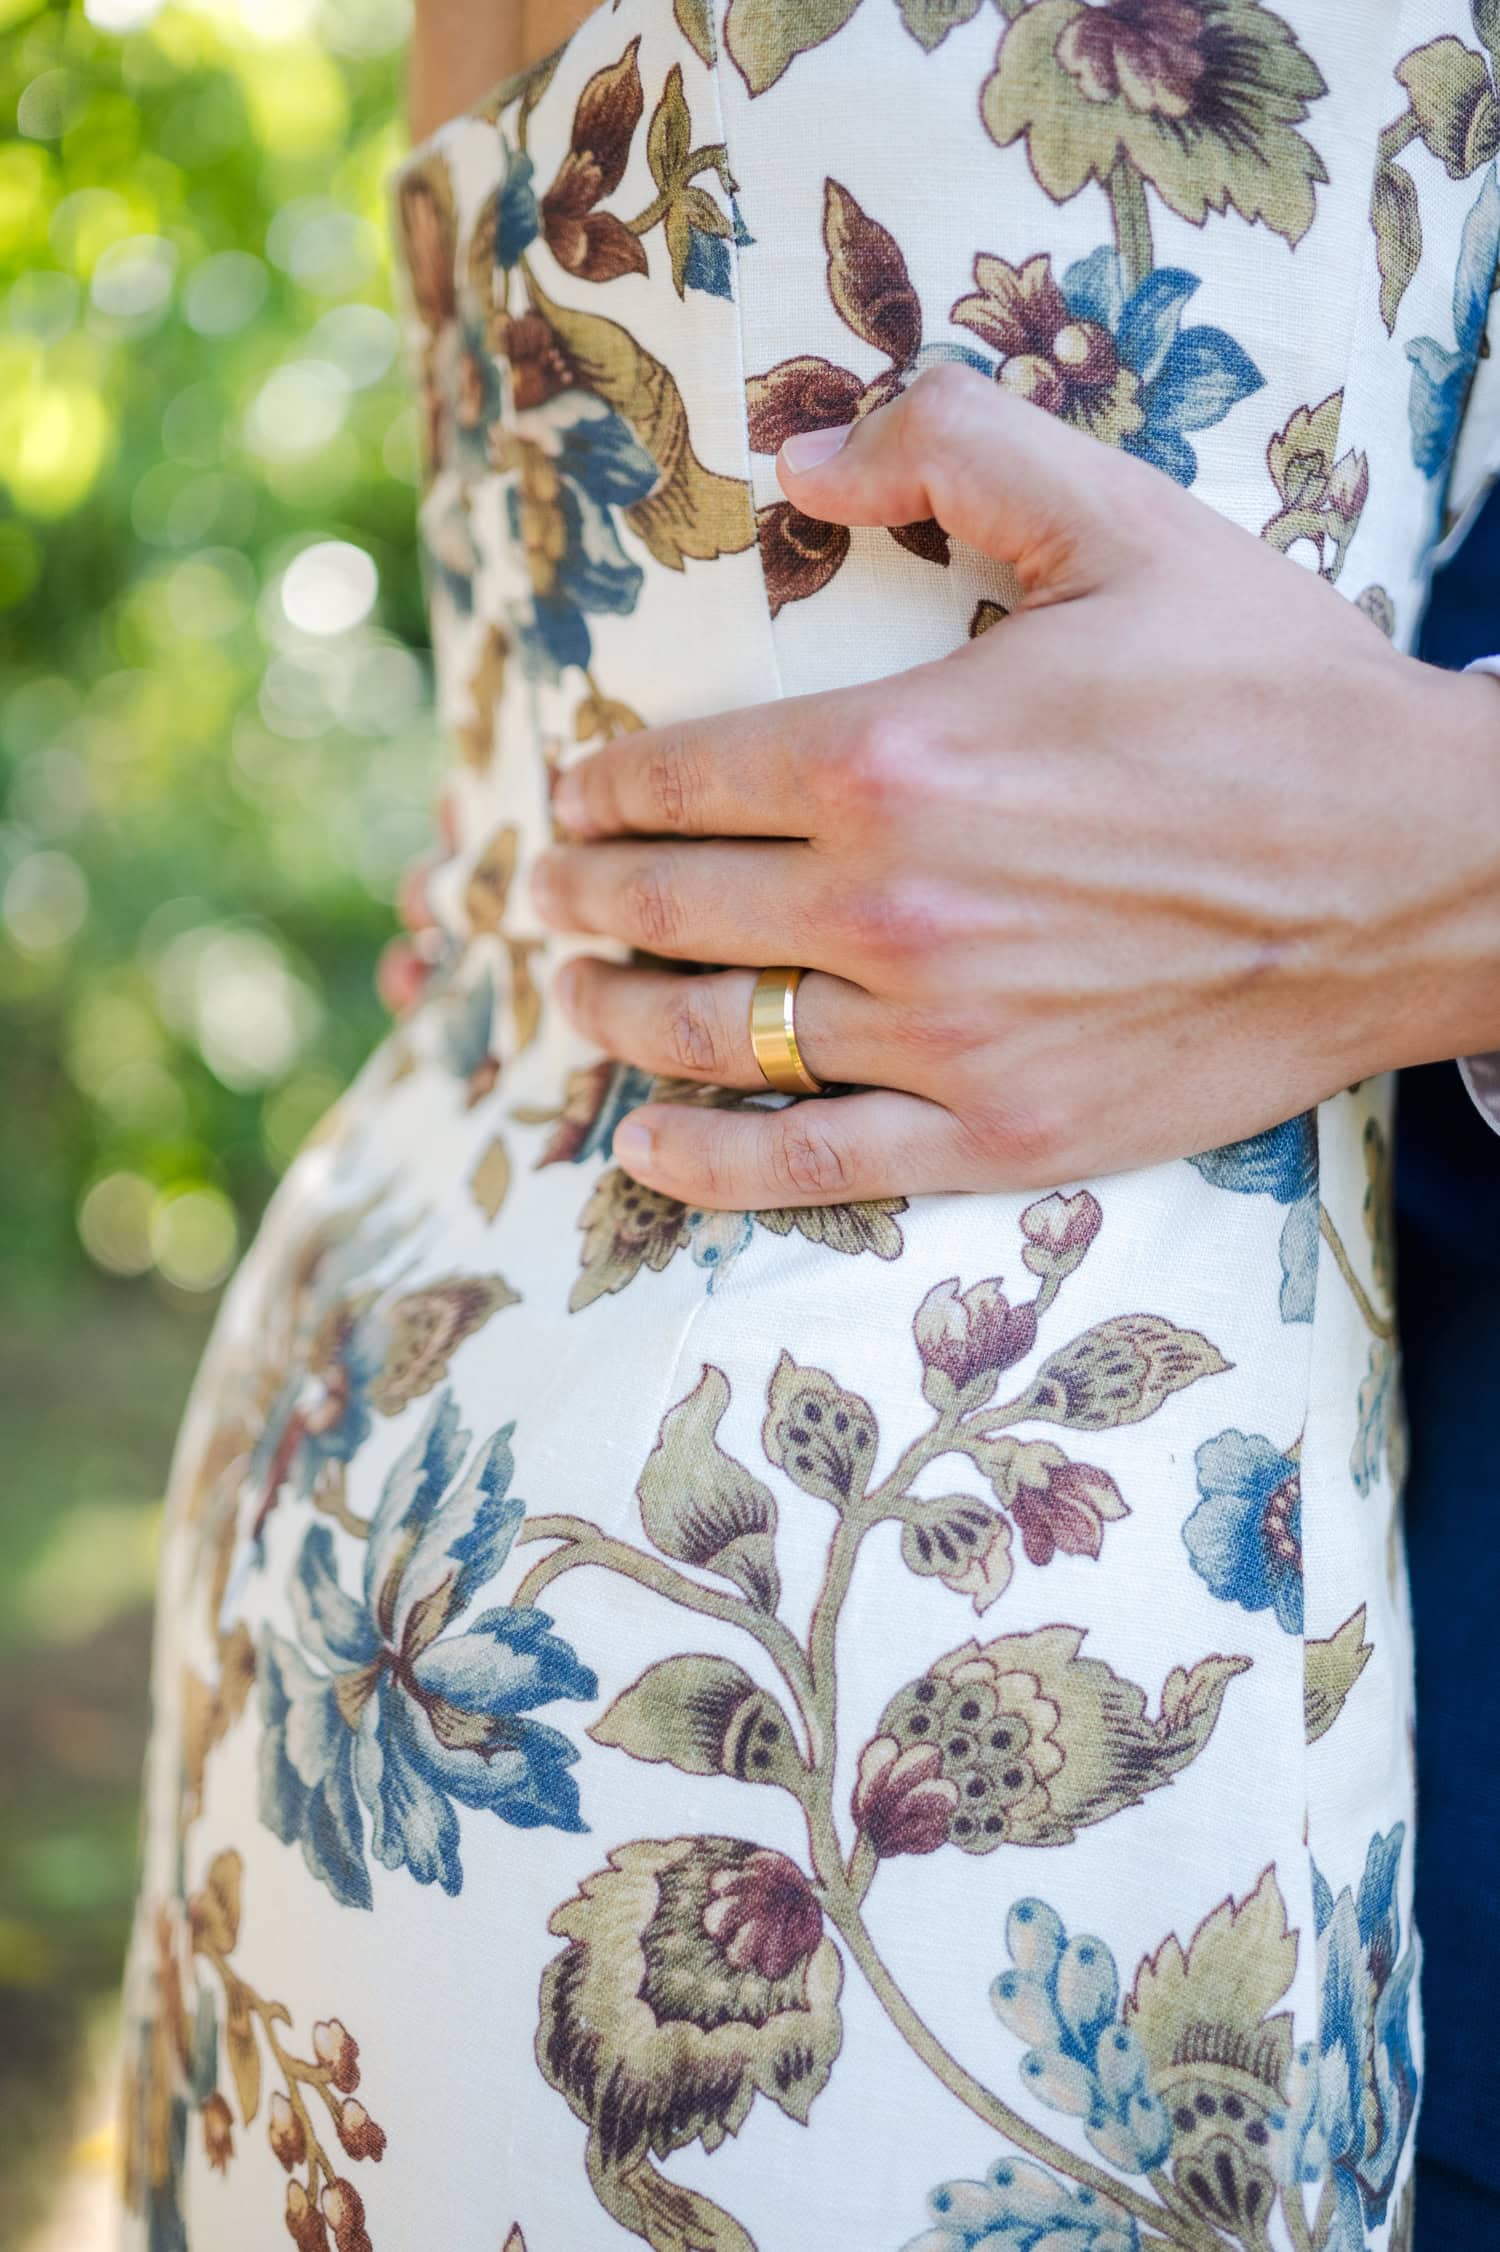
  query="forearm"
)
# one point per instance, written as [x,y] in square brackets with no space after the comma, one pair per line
[458,51]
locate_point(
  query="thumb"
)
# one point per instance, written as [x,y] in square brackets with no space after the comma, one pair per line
[997,472]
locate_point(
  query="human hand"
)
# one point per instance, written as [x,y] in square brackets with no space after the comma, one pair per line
[1178,849]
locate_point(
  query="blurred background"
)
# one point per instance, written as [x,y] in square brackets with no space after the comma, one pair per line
[215,756]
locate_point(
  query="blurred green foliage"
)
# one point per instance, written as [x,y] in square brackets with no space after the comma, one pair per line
[216,754]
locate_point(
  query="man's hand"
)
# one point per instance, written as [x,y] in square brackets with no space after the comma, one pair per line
[1178,849]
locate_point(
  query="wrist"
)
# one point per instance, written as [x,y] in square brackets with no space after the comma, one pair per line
[1453,765]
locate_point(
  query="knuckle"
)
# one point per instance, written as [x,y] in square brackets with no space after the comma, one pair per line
[594,778]
[892,924]
[805,1161]
[1028,1142]
[673,784]
[938,1034]
[689,1041]
[941,398]
[651,909]
[873,775]
[714,1172]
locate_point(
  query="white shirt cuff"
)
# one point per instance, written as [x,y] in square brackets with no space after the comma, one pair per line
[1481,1074]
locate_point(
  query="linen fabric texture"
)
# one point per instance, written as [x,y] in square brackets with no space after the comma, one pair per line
[876,1727]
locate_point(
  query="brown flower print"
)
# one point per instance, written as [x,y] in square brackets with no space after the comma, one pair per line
[428,222]
[218,2132]
[196,1941]
[873,295]
[429,228]
[1047,355]
[1200,98]
[903,1802]
[1040,1742]
[1146,51]
[1058,1231]
[967,1338]
[1056,1503]
[539,367]
[591,243]
[627,1228]
[697,1976]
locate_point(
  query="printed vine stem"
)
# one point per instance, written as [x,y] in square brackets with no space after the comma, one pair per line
[585,1543]
[1127,198]
[1323,2223]
[329,1499]
[844,1886]
[295,2071]
[811,1678]
[1380,1325]
[1399,135]
[1296,2218]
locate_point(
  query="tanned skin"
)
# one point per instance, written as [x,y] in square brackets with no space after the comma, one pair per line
[461,48]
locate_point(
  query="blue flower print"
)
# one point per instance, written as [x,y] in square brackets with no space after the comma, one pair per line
[576,461]
[332,1355]
[1189,378]
[166,2227]
[717,1239]
[1063,1998]
[1380,1435]
[1245,1536]
[1358,2091]
[707,266]
[395,1718]
[1019,2207]
[450,560]
[517,219]
[473,383]
[1283,1163]
[1440,379]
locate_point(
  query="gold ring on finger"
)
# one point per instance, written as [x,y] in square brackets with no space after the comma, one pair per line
[773,1033]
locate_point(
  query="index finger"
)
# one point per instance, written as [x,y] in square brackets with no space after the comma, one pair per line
[750,773]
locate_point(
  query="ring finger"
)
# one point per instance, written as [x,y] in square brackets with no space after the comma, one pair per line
[685,1027]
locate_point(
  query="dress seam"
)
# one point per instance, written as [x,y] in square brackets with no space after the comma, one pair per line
[715,70]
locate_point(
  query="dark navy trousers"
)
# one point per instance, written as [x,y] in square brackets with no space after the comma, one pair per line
[1448,1205]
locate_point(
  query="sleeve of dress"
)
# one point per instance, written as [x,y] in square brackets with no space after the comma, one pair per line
[1481,1074]
[1475,472]
[1476,457]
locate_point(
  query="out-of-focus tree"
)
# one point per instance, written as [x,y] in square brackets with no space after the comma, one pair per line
[214,724]
[215,756]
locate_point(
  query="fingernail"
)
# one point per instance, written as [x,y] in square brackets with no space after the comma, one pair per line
[632,1144]
[542,884]
[568,807]
[808,449]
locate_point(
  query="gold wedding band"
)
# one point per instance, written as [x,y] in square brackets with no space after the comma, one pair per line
[773,1033]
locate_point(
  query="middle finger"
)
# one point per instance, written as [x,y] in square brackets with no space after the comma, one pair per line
[708,902]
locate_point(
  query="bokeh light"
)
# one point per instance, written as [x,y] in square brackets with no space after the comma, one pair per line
[216,752]
[329,588]
[114,1221]
[193,1237]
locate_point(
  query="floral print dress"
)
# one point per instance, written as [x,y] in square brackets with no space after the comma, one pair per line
[874,1727]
